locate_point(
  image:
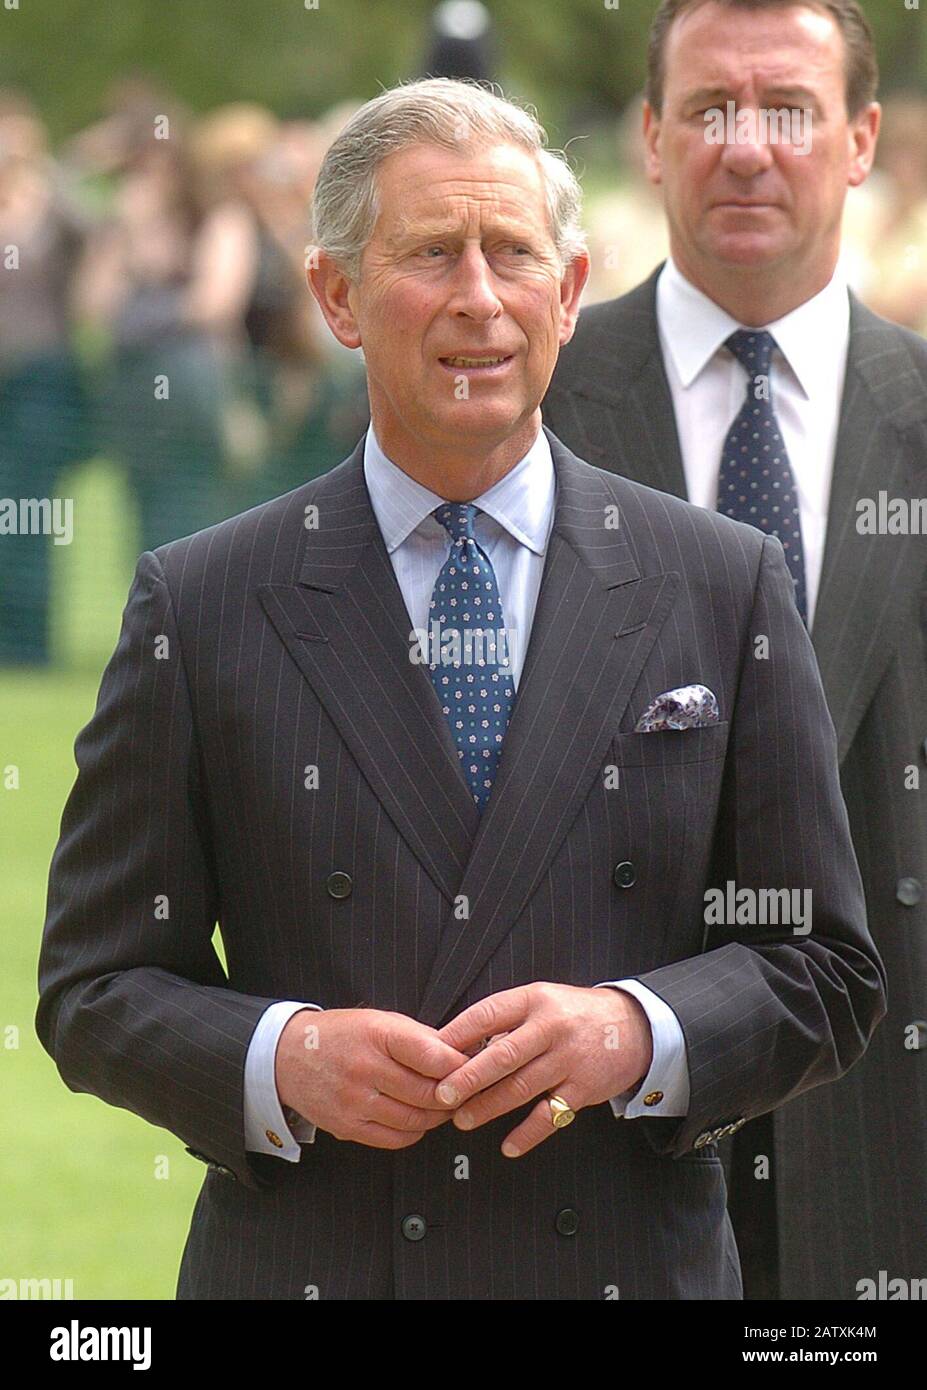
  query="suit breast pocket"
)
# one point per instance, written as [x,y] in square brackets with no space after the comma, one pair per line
[662,793]
[671,747]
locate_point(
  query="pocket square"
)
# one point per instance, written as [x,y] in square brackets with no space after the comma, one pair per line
[686,707]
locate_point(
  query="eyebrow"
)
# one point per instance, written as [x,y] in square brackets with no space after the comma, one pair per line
[704,94]
[426,231]
[796,94]
[715,94]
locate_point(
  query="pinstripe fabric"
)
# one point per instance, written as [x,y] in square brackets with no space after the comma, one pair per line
[288,649]
[850,1159]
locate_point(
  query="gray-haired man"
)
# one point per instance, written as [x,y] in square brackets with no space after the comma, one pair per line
[411,853]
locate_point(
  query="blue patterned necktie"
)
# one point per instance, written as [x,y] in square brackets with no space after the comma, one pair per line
[755,482]
[476,690]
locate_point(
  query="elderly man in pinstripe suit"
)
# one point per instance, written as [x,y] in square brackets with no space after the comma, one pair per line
[453,743]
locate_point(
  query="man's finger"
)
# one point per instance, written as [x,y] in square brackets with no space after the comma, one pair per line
[382,1137]
[408,1086]
[420,1048]
[500,1059]
[396,1114]
[511,1093]
[538,1126]
[497,1013]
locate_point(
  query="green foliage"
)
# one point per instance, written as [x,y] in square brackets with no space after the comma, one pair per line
[571,58]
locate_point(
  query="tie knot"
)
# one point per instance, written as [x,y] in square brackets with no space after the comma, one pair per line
[457,519]
[753,348]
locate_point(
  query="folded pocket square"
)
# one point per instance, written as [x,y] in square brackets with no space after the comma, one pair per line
[687,707]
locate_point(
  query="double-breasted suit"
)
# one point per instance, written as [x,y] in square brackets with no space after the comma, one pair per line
[277,642]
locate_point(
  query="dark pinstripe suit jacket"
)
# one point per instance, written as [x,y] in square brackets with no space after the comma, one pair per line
[258,648]
[851,1160]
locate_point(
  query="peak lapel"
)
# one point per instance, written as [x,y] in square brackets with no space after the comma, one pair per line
[346,626]
[597,618]
[864,577]
[612,382]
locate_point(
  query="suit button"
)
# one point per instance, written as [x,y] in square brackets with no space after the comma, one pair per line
[567,1222]
[339,885]
[413,1227]
[908,891]
[624,874]
[653,1097]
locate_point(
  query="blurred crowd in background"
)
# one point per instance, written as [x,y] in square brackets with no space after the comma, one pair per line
[156,312]
[154,308]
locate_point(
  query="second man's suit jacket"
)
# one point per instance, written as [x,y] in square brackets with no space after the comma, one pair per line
[277,642]
[850,1161]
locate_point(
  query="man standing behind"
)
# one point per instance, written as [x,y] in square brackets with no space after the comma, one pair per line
[743,375]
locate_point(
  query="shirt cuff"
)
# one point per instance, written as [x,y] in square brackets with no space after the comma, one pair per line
[264,1115]
[668,1076]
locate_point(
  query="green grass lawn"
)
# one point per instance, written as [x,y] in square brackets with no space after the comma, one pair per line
[89,1193]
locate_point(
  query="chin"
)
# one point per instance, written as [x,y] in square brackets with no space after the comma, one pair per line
[478,419]
[746,249]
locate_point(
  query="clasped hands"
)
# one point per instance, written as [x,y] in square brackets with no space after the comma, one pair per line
[384,1079]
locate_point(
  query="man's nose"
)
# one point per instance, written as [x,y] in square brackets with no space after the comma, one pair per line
[748,154]
[474,290]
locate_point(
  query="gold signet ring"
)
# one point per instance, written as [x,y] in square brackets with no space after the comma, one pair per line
[560,1112]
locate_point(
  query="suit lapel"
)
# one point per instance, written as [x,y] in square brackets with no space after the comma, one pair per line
[620,393]
[597,618]
[346,626]
[864,578]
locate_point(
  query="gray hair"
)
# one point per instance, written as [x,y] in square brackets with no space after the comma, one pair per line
[456,114]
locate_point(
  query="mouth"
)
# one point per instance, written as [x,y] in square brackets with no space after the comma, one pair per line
[484,365]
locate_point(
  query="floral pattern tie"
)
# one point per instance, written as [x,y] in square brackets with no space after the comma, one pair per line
[473,671]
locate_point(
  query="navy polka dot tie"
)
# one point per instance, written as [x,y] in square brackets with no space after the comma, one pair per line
[470,666]
[755,483]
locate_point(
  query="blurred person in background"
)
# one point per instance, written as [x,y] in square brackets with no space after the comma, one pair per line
[131,105]
[41,399]
[298,405]
[460,41]
[896,283]
[627,224]
[165,280]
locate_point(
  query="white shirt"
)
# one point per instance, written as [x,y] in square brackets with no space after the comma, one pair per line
[708,387]
[514,531]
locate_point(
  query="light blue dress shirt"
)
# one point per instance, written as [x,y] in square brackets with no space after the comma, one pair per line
[518,513]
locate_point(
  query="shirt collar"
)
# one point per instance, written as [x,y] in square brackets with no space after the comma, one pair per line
[522,502]
[693,328]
